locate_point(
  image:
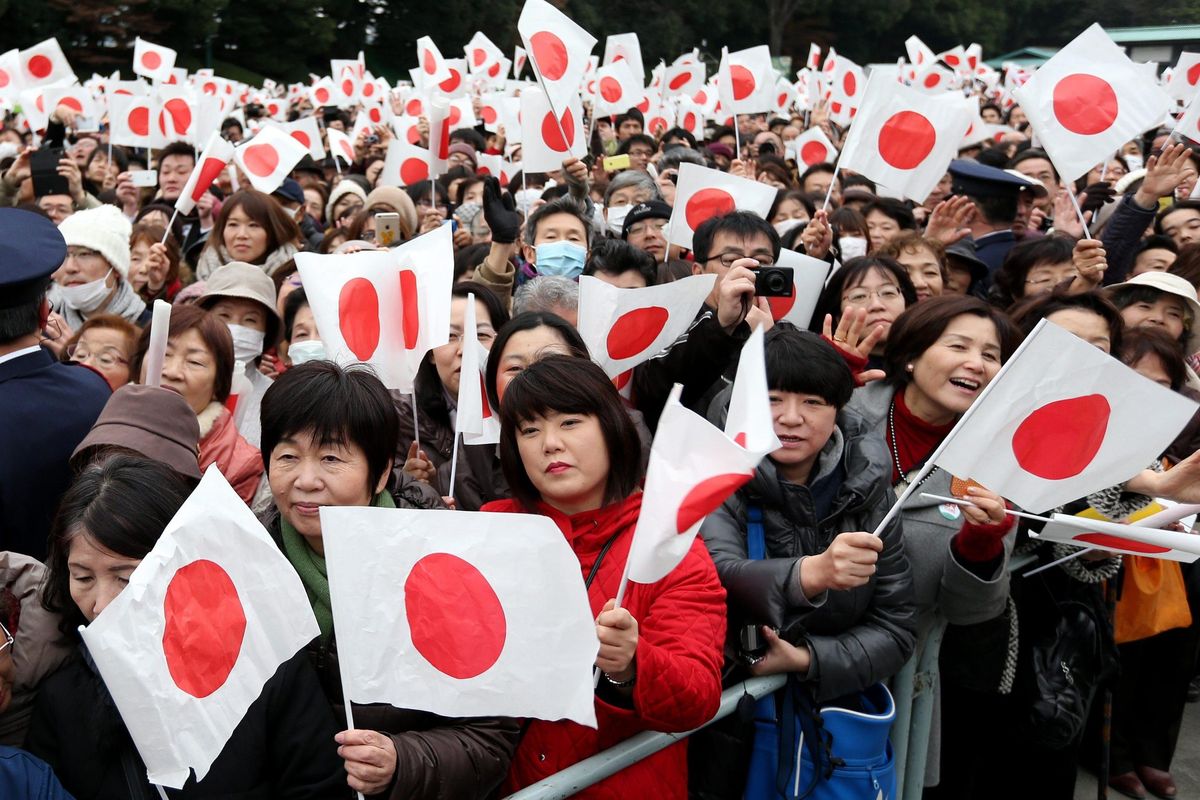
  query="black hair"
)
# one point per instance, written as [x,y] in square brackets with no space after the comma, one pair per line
[559,205]
[335,405]
[295,301]
[122,504]
[469,136]
[1137,343]
[894,209]
[791,194]
[1028,154]
[855,179]
[24,318]
[802,362]
[420,191]
[921,325]
[739,224]
[680,133]
[852,273]
[616,256]
[1008,283]
[572,386]
[997,209]
[468,258]
[1156,241]
[638,138]
[527,321]
[1178,205]
[820,166]
[1032,310]
[177,149]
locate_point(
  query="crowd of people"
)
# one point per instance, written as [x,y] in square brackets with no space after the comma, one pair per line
[922,306]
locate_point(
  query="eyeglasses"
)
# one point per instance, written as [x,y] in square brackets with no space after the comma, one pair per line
[727,259]
[425,205]
[861,297]
[641,152]
[82,254]
[655,226]
[8,638]
[108,358]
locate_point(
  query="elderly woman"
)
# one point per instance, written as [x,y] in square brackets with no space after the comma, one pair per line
[924,258]
[569,452]
[110,519]
[106,344]
[329,434]
[154,272]
[95,277]
[1160,300]
[625,191]
[199,366]
[253,228]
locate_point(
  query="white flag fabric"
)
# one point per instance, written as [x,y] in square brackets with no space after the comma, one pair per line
[702,193]
[130,119]
[385,308]
[268,158]
[433,67]
[457,627]
[340,145]
[216,154]
[405,164]
[1189,123]
[306,132]
[687,79]
[809,276]
[1135,540]
[813,147]
[693,468]
[177,115]
[44,63]
[558,50]
[919,53]
[749,422]
[1061,420]
[746,81]
[1088,100]
[625,48]
[439,136]
[1185,77]
[624,327]
[483,55]
[542,132]
[152,61]
[206,620]
[617,90]
[477,424]
[903,139]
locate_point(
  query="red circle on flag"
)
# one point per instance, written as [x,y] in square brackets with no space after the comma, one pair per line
[782,101]
[1193,73]
[707,203]
[414,170]
[322,95]
[635,330]
[781,306]
[689,120]
[454,116]
[1085,104]
[4,78]
[179,112]
[429,62]
[906,139]
[700,98]
[302,138]
[414,107]
[550,55]
[479,55]
[705,496]
[209,170]
[375,115]
[139,121]
[72,103]
[1060,439]
[204,625]
[41,103]
[348,87]
[151,60]
[622,380]
[1107,541]
[813,153]
[830,64]
[741,81]
[494,70]
[451,83]
[456,620]
[679,81]
[368,90]
[260,159]
[610,89]
[552,135]
[358,317]
[644,105]
[414,137]
[849,84]
[488,114]
[950,59]
[836,107]
[932,80]
[40,66]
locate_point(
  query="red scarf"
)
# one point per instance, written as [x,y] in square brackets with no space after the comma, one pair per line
[915,439]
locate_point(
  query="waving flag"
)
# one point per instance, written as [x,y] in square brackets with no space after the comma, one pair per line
[340,145]
[749,422]
[685,79]
[617,90]
[306,132]
[433,67]
[625,48]
[152,61]
[44,63]
[216,154]
[129,120]
[208,617]
[483,56]
[1135,540]
[702,193]
[405,164]
[268,158]
[548,138]
[746,81]
[558,50]
[476,422]
[809,276]
[813,147]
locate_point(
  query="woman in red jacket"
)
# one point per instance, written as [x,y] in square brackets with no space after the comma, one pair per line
[570,452]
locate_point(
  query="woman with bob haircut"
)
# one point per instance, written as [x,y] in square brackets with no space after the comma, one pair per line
[252,227]
[876,289]
[570,452]
[330,434]
[109,520]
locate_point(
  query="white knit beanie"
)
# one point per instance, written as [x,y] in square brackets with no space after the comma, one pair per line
[105,230]
[343,188]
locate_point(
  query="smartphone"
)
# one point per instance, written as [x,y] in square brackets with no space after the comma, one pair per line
[387,228]
[144,178]
[614,163]
[43,164]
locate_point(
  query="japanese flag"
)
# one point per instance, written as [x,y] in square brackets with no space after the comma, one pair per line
[919,54]
[625,327]
[813,147]
[44,63]
[691,117]
[973,56]
[347,80]
[548,139]
[433,67]
[558,50]
[416,105]
[1135,540]
[306,132]
[746,81]
[809,276]
[152,61]
[616,89]
[693,468]
[702,193]
[477,423]
[1088,100]
[934,80]
[405,164]
[461,114]
[10,74]
[955,58]
[490,110]
[624,47]
[685,79]
[439,135]
[786,98]
[268,158]
[76,98]
[129,119]
[216,155]
[490,165]
[519,59]
[207,618]
[458,628]
[1062,420]
[324,93]
[386,308]
[455,84]
[176,114]
[749,423]
[814,56]
[340,145]
[847,91]
[903,139]
[482,54]
[1185,77]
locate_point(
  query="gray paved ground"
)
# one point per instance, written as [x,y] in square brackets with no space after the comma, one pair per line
[1185,768]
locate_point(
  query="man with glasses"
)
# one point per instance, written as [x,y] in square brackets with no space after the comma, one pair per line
[640,148]
[645,228]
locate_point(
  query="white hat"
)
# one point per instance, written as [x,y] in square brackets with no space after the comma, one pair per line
[105,230]
[1169,283]
[343,188]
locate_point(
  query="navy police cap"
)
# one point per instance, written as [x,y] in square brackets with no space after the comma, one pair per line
[979,180]
[31,249]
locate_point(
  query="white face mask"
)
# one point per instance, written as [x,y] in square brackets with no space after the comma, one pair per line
[525,198]
[782,228]
[303,352]
[1134,161]
[86,297]
[852,247]
[247,343]
[616,217]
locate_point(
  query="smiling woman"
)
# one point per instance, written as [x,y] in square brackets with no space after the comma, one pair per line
[252,227]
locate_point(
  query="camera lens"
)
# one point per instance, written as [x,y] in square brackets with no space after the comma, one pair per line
[777,282]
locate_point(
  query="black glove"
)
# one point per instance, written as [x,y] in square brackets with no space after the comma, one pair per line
[1098,195]
[500,212]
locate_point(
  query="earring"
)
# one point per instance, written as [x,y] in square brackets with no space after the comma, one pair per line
[908,367]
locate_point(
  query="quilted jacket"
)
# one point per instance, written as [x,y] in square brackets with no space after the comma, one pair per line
[681,630]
